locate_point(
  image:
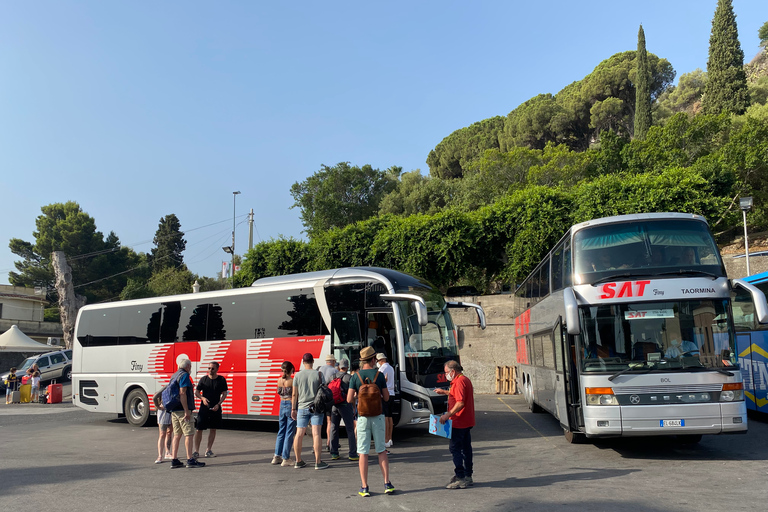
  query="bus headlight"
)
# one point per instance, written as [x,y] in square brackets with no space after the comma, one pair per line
[601,396]
[732,392]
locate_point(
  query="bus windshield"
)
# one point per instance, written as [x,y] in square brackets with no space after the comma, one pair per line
[427,348]
[645,248]
[657,336]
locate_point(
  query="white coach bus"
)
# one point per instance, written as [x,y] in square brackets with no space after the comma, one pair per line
[124,352]
[626,329]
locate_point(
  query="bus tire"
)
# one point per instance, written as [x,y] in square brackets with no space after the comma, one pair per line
[574,437]
[532,405]
[689,438]
[136,408]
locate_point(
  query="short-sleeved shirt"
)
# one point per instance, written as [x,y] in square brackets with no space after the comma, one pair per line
[389,374]
[185,382]
[307,382]
[329,372]
[212,389]
[369,374]
[461,391]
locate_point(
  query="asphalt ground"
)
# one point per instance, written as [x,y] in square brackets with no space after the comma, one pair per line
[59,457]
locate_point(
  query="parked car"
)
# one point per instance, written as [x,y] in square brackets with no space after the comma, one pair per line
[53,365]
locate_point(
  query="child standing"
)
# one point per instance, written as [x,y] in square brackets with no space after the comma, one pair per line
[35,387]
[10,385]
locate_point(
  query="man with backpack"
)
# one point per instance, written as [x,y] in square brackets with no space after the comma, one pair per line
[370,387]
[306,383]
[342,410]
[329,371]
[179,400]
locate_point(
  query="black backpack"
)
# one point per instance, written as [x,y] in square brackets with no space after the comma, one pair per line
[323,402]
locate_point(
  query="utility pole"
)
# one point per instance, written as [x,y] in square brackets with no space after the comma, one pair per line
[250,230]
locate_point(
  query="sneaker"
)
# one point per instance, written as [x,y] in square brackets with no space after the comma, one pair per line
[468,480]
[354,459]
[276,460]
[195,455]
[456,483]
[209,454]
[159,460]
[176,463]
[389,488]
[322,465]
[168,456]
[299,464]
[335,456]
[388,444]
[364,492]
[286,463]
[193,463]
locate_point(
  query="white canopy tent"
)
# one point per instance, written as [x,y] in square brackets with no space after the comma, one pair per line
[13,340]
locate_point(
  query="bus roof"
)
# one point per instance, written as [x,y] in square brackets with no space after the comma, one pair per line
[636,217]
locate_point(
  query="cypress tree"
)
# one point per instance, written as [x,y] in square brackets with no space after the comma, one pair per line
[642,88]
[169,245]
[726,88]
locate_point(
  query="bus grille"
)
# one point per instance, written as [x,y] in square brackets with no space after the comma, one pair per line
[689,388]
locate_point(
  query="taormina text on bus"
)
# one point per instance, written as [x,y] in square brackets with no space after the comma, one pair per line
[124,352]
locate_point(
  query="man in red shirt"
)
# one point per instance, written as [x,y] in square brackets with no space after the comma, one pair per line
[461,411]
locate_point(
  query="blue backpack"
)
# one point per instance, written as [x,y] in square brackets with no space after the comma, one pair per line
[172,394]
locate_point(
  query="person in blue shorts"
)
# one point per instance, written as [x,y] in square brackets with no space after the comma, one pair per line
[305,386]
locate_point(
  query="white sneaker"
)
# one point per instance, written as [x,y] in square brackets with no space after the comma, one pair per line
[388,444]
[286,463]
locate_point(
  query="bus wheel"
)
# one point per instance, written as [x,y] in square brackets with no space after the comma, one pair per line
[137,408]
[532,405]
[574,437]
[689,439]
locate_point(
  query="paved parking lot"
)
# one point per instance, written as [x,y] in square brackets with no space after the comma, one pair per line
[63,456]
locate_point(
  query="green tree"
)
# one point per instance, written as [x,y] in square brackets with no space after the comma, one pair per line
[726,89]
[100,266]
[416,193]
[763,35]
[453,153]
[642,88]
[169,245]
[275,257]
[342,194]
[684,97]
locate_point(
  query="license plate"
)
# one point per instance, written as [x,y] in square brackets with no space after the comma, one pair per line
[672,423]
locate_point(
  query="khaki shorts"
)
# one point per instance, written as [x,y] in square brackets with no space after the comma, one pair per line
[181,427]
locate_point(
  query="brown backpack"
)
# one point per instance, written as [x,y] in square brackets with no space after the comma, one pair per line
[368,397]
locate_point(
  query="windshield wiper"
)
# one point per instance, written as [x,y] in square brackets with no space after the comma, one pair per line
[689,272]
[613,277]
[629,369]
[707,369]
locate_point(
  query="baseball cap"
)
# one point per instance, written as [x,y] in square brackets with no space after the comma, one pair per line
[308,358]
[344,363]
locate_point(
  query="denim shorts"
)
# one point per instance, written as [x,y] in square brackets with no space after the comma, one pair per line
[303,417]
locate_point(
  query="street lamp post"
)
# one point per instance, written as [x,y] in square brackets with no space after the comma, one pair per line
[231,249]
[745,203]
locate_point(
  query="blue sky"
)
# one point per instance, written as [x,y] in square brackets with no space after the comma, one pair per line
[137,110]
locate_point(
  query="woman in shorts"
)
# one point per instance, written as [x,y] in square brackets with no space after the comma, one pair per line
[35,395]
[287,425]
[165,430]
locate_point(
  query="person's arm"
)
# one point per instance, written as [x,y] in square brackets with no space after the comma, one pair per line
[199,395]
[294,402]
[221,400]
[351,392]
[184,404]
[457,406]
[385,389]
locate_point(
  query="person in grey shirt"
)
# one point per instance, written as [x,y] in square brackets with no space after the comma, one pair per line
[305,386]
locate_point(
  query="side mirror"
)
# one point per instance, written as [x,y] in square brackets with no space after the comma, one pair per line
[758,298]
[571,311]
[477,307]
[417,302]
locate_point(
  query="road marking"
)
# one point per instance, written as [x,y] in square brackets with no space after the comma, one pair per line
[531,426]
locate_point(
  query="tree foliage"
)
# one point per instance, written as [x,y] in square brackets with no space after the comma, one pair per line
[684,97]
[642,89]
[99,264]
[762,33]
[726,88]
[169,245]
[452,154]
[342,194]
